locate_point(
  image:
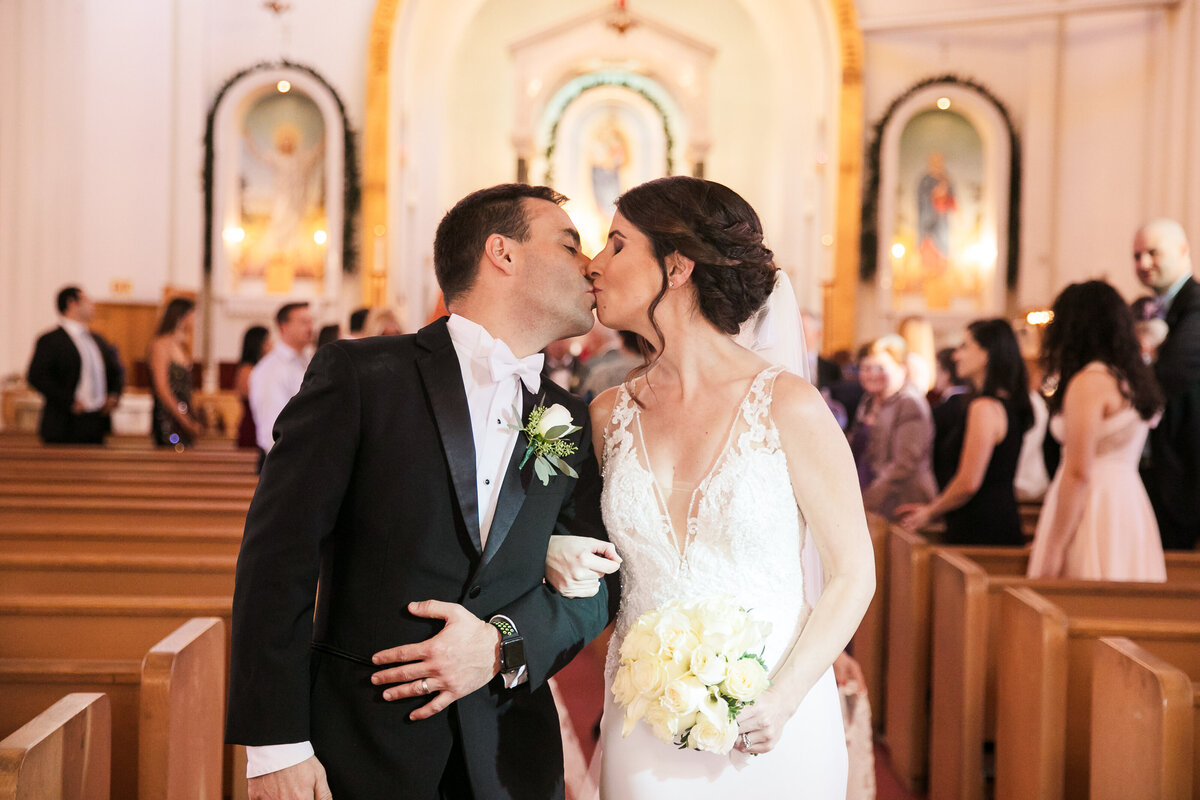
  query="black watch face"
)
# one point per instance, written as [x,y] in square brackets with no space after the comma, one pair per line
[512,654]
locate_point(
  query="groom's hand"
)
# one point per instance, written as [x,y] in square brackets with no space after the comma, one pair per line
[461,658]
[303,781]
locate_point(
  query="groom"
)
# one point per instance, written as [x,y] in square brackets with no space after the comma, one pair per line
[394,495]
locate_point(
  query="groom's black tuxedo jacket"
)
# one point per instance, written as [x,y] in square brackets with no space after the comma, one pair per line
[368,501]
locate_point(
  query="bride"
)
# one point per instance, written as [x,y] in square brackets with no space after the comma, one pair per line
[717,466]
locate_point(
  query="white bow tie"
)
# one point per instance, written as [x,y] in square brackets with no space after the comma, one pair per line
[503,364]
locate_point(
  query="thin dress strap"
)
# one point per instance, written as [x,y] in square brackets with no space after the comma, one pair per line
[616,432]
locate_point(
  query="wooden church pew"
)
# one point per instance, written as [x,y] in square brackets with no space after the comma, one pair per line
[103,574]
[1044,676]
[170,700]
[181,720]
[225,460]
[1145,722]
[870,640]
[133,513]
[108,626]
[35,491]
[908,644]
[968,585]
[116,539]
[64,753]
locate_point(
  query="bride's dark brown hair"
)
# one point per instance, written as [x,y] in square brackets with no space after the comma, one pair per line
[716,229]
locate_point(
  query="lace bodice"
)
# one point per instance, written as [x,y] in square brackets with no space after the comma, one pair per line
[744,530]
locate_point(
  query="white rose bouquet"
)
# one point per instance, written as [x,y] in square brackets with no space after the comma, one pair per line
[688,669]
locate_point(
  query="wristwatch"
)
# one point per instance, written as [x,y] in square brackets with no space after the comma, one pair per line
[512,649]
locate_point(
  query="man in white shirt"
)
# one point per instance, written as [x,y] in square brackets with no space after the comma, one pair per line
[78,373]
[399,496]
[276,378]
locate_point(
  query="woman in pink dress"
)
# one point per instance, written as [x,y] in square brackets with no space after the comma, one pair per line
[1097,522]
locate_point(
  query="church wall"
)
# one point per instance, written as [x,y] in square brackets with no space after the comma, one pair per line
[1104,105]
[102,140]
[103,103]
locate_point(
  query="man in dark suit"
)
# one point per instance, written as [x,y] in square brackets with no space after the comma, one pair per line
[397,493]
[1172,477]
[78,373]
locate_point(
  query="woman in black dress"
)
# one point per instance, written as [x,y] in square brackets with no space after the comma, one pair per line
[978,502]
[174,423]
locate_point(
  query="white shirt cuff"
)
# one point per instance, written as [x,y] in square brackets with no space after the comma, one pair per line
[274,757]
[514,679]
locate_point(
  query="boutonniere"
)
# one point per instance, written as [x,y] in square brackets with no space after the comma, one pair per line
[545,430]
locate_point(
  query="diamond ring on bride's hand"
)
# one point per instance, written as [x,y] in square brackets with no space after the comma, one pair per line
[745,741]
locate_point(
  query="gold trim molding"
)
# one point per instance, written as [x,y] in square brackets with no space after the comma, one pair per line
[375,146]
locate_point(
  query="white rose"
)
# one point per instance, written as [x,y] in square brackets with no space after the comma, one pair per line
[714,731]
[718,620]
[676,637]
[641,640]
[633,712]
[555,416]
[708,665]
[745,680]
[684,695]
[665,725]
[622,686]
[648,677]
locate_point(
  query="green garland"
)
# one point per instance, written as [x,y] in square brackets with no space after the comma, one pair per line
[599,82]
[351,191]
[869,237]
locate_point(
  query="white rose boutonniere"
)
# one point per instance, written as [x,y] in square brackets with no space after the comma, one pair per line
[545,430]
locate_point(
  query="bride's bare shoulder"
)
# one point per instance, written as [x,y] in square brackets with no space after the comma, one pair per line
[797,402]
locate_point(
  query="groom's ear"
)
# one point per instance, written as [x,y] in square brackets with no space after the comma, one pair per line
[498,251]
[679,268]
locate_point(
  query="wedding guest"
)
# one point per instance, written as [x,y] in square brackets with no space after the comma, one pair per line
[893,434]
[620,354]
[381,321]
[277,377]
[174,422]
[1097,522]
[1163,262]
[329,333]
[948,399]
[256,343]
[1150,328]
[78,373]
[978,502]
[358,320]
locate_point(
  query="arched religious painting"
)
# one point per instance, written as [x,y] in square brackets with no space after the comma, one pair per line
[604,136]
[941,255]
[279,221]
[940,231]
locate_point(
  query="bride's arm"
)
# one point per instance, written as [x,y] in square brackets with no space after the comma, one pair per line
[575,565]
[825,483]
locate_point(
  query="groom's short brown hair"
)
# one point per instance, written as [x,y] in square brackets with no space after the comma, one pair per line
[462,233]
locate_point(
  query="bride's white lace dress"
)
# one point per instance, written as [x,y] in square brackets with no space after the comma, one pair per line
[743,538]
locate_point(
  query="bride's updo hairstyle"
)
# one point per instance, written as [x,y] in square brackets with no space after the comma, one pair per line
[718,230]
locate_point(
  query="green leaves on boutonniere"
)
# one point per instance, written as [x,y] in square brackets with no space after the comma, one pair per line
[545,430]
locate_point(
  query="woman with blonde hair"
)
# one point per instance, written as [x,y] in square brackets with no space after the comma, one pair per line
[381,321]
[893,432]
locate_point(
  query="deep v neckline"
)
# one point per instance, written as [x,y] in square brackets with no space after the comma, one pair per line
[681,547]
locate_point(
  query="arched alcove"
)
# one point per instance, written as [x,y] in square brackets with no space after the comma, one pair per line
[940,229]
[243,288]
[443,110]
